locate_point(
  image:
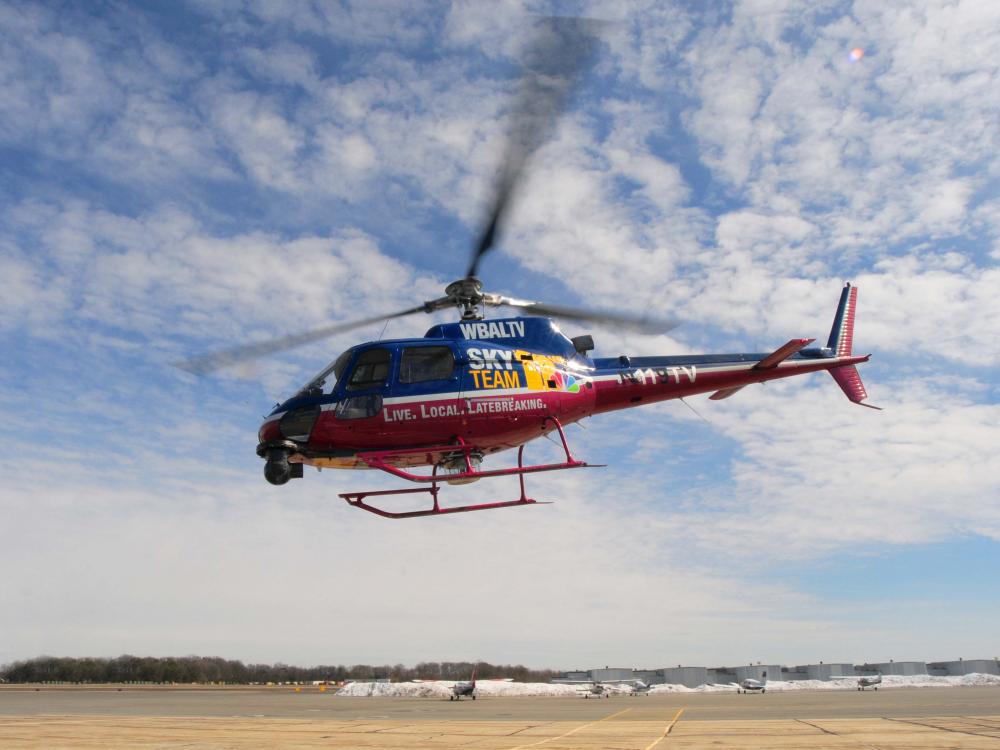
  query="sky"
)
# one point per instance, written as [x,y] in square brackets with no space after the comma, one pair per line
[187,176]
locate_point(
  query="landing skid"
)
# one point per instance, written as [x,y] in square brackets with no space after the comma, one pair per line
[460,450]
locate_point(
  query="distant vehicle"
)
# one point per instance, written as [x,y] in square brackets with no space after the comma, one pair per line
[871,680]
[751,685]
[464,688]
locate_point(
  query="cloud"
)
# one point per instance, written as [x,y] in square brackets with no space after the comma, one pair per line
[264,141]
[816,476]
[870,151]
[163,279]
[225,567]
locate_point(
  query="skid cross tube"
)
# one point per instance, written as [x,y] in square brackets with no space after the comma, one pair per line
[380,460]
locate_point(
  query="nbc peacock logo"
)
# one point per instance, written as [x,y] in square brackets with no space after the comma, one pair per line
[566,382]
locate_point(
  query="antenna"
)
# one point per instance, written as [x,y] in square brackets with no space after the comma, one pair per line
[694,410]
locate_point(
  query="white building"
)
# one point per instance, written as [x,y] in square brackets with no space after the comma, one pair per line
[690,677]
[967,666]
[897,667]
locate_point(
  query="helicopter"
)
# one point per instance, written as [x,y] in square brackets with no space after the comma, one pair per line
[432,410]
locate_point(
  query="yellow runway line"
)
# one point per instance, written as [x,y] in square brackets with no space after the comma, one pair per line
[666,731]
[571,731]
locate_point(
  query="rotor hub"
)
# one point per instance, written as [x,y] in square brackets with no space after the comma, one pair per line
[467,294]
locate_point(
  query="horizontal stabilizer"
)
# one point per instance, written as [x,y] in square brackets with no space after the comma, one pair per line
[782,353]
[849,380]
[769,362]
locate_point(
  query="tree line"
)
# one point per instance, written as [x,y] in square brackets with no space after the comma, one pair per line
[212,669]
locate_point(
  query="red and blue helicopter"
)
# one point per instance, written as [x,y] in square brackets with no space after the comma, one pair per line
[431,410]
[473,388]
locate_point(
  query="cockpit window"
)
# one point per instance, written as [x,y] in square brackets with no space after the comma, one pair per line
[370,371]
[316,385]
[423,363]
[340,365]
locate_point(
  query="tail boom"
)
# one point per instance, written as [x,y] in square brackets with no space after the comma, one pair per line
[628,381]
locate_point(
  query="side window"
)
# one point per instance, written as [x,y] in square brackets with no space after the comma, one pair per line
[358,407]
[370,371]
[426,363]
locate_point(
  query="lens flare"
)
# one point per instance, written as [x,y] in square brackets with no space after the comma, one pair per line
[856,54]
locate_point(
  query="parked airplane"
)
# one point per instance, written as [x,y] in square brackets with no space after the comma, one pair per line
[864,681]
[638,688]
[596,688]
[602,687]
[871,680]
[464,688]
[750,684]
[588,688]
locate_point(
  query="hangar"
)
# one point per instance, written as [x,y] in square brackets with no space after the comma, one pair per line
[818,671]
[899,667]
[960,667]
[692,677]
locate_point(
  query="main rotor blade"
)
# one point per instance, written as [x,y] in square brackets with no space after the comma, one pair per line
[214,360]
[638,323]
[554,60]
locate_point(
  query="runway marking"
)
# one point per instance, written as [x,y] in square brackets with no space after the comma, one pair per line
[571,731]
[666,731]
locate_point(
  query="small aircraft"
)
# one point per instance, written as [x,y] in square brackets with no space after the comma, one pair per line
[864,681]
[638,688]
[461,689]
[600,688]
[870,681]
[470,389]
[749,684]
[594,687]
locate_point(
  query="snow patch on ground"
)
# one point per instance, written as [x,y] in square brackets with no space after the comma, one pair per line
[500,688]
[442,689]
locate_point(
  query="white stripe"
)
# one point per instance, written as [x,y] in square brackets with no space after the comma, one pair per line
[458,394]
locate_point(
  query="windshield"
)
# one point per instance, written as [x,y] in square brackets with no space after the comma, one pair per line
[336,368]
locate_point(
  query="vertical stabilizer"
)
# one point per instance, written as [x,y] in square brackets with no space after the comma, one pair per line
[842,333]
[841,343]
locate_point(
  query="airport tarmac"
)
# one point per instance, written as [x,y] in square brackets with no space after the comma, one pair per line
[158,717]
